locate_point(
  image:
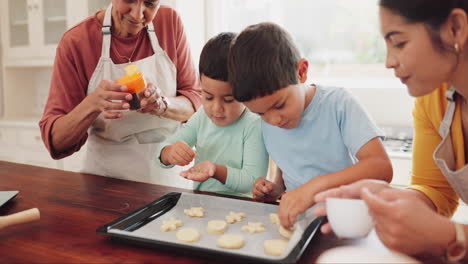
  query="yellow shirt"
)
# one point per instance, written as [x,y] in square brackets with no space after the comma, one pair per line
[426,177]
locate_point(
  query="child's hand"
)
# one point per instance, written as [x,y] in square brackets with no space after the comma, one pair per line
[294,203]
[266,191]
[200,172]
[178,153]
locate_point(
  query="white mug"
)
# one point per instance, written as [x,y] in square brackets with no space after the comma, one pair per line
[349,218]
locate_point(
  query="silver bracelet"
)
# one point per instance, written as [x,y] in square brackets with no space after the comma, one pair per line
[166,104]
[157,111]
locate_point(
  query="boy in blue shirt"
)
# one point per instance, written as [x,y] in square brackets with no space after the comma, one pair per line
[320,137]
[230,154]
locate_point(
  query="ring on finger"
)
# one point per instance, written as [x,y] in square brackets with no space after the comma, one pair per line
[152,91]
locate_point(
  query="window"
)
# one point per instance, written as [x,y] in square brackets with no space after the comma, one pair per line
[340,38]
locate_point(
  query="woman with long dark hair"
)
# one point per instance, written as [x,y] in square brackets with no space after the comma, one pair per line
[427,43]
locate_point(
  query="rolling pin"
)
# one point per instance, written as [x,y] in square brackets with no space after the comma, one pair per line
[20,218]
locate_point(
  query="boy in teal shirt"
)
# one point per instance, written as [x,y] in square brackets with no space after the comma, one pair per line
[230,155]
[320,137]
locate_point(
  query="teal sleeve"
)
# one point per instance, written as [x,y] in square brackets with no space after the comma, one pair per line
[188,134]
[254,164]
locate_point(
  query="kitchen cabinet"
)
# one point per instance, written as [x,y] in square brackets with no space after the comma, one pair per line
[32,28]
[30,31]
[21,143]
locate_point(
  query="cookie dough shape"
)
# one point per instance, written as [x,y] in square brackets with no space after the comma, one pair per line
[170,225]
[195,212]
[284,232]
[275,247]
[188,235]
[233,217]
[253,227]
[216,227]
[274,219]
[230,241]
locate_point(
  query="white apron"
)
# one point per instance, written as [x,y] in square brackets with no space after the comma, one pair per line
[444,156]
[125,148]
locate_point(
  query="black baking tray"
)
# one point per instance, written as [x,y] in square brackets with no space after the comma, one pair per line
[159,207]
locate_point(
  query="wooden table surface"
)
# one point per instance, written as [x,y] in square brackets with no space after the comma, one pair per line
[74,205]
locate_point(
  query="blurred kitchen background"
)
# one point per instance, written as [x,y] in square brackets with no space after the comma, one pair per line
[340,38]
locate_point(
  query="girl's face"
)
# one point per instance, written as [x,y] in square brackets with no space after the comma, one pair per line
[218,102]
[412,55]
[131,16]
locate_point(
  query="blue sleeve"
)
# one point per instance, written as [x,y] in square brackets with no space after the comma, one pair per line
[356,125]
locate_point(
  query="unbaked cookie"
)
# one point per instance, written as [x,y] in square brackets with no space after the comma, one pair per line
[195,212]
[274,219]
[216,226]
[230,241]
[170,225]
[188,235]
[275,247]
[284,232]
[253,227]
[233,217]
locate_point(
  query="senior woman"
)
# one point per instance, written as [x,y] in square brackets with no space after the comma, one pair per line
[427,43]
[86,105]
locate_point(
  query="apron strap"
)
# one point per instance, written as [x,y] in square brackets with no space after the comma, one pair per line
[106,32]
[444,128]
[152,35]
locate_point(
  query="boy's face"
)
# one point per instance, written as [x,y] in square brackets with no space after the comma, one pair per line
[283,108]
[219,103]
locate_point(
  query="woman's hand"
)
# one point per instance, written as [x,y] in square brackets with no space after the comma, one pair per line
[200,172]
[152,101]
[266,191]
[178,153]
[104,98]
[405,223]
[352,191]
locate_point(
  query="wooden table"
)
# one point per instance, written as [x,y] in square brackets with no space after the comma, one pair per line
[74,205]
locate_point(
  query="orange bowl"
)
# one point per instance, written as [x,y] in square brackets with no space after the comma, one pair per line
[134,82]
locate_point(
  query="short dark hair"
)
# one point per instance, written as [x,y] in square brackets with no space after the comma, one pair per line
[213,57]
[432,13]
[263,59]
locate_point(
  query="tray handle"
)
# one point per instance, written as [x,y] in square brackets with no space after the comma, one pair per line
[143,215]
